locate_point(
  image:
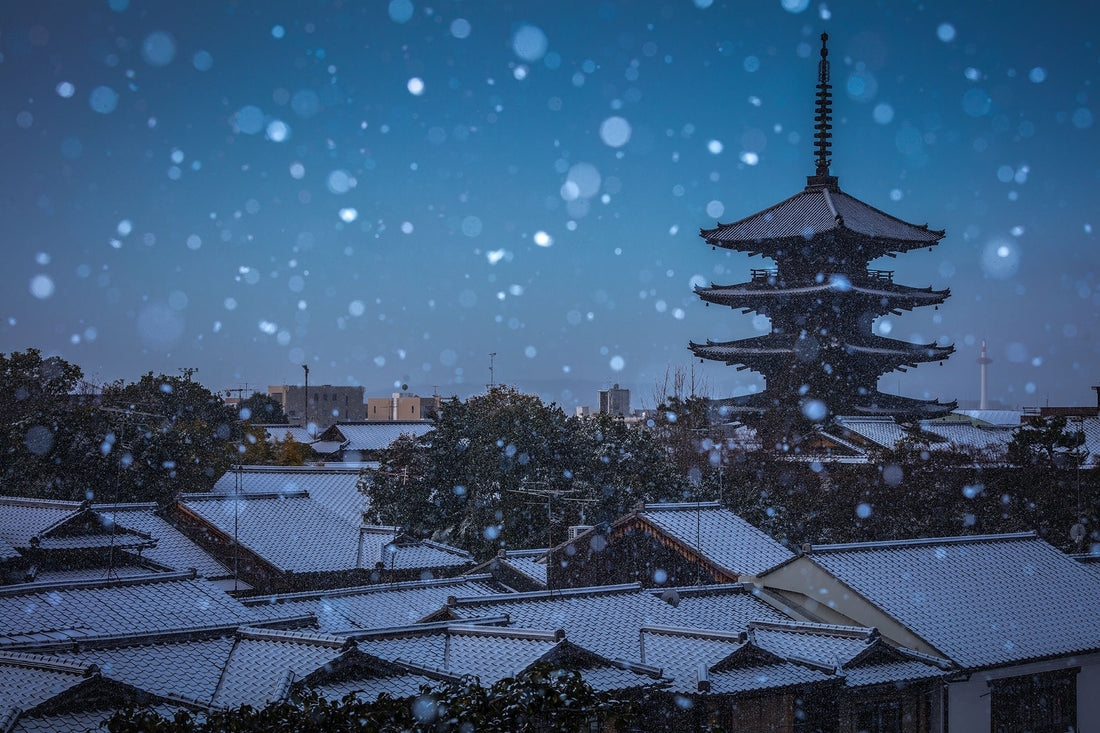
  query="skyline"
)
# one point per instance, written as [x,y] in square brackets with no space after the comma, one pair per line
[392,192]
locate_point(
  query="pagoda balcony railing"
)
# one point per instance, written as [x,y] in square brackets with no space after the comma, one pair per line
[763,276]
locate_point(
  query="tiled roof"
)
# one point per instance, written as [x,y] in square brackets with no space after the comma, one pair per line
[295,533]
[28,680]
[21,519]
[375,436]
[373,606]
[816,210]
[80,721]
[880,431]
[980,601]
[277,433]
[718,534]
[765,676]
[332,486]
[826,644]
[492,653]
[38,612]
[681,651]
[607,620]
[122,569]
[263,664]
[730,607]
[530,563]
[1003,418]
[370,687]
[173,548]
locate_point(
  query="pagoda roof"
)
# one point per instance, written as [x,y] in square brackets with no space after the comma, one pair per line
[777,345]
[755,289]
[818,209]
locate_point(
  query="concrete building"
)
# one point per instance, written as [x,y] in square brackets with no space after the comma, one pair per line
[614,401]
[402,406]
[327,403]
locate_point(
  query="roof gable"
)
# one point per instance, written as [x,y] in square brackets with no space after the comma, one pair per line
[980,601]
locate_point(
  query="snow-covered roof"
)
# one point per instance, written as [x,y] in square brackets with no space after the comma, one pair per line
[293,532]
[980,601]
[607,619]
[815,210]
[718,534]
[37,613]
[1002,418]
[373,606]
[374,436]
[333,486]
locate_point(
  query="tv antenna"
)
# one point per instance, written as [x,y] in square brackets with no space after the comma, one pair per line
[492,378]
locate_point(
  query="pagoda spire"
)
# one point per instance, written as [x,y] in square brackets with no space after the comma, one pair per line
[823,118]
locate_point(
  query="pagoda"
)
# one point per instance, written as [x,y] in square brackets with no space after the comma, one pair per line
[821,359]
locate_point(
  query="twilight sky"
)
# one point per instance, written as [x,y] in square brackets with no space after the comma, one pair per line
[390,191]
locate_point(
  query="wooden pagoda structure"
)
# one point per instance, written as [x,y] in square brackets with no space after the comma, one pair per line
[821,358]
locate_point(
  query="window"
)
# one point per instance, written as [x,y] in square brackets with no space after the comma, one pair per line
[1037,703]
[883,716]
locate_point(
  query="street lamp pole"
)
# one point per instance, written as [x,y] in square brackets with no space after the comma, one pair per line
[306,411]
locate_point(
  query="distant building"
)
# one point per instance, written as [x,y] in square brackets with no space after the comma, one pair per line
[402,406]
[614,401]
[327,403]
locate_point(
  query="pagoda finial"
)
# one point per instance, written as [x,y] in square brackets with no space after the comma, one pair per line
[823,116]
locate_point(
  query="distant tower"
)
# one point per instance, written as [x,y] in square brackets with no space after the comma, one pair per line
[821,358]
[985,361]
[614,401]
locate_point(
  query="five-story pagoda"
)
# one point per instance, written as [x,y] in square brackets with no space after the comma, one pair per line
[821,358]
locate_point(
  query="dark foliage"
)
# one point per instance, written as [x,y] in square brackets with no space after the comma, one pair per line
[143,441]
[505,469]
[262,409]
[544,699]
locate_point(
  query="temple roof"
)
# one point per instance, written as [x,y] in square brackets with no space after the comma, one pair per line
[779,344]
[816,210]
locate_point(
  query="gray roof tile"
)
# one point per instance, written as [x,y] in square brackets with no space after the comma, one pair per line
[373,606]
[718,534]
[295,533]
[38,612]
[333,486]
[980,601]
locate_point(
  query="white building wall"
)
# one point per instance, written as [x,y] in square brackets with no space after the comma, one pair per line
[968,707]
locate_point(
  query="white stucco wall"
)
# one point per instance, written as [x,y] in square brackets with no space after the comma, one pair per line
[969,700]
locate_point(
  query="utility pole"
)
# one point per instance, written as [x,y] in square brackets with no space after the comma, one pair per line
[188,371]
[305,412]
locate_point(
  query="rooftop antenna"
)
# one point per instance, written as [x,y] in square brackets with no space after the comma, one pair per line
[187,372]
[823,117]
[985,361]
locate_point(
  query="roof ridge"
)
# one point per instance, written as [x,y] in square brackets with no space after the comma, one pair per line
[302,637]
[867,632]
[921,541]
[39,503]
[683,505]
[124,506]
[444,547]
[359,589]
[596,590]
[703,590]
[693,632]
[25,588]
[245,495]
[421,629]
[48,662]
[506,632]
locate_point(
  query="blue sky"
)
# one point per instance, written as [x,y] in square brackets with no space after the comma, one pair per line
[390,191]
